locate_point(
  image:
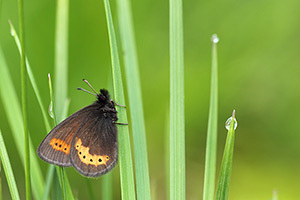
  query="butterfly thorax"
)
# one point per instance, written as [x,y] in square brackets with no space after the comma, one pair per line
[107,106]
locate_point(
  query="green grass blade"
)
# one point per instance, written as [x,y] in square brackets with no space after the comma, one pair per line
[135,100]
[8,170]
[14,115]
[107,187]
[125,158]
[225,171]
[211,140]
[48,182]
[177,124]
[24,101]
[61,57]
[90,189]
[62,176]
[31,78]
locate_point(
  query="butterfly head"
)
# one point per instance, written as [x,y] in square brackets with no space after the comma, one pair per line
[103,97]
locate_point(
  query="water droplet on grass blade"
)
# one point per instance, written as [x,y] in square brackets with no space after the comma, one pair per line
[50,110]
[215,38]
[227,123]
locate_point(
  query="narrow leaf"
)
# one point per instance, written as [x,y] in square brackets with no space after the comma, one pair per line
[125,158]
[225,171]
[14,115]
[177,120]
[211,140]
[8,170]
[135,100]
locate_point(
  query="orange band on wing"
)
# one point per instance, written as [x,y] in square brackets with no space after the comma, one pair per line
[60,145]
[87,158]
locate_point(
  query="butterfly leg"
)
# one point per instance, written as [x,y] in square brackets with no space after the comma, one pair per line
[118,104]
[120,123]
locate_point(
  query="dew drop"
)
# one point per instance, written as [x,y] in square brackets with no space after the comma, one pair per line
[215,39]
[50,110]
[12,32]
[227,123]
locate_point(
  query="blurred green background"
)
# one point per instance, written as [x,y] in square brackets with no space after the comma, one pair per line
[259,70]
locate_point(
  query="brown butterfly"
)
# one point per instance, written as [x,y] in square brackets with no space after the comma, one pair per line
[86,140]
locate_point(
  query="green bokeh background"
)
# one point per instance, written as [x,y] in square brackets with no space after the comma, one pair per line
[259,70]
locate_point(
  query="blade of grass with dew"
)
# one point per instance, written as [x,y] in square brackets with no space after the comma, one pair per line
[177,124]
[24,101]
[135,100]
[31,78]
[8,170]
[211,140]
[63,179]
[125,158]
[61,57]
[225,171]
[14,115]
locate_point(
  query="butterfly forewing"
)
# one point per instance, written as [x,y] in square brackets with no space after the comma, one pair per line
[94,147]
[56,146]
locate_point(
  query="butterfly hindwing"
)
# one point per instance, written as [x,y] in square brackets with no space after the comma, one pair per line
[56,146]
[94,149]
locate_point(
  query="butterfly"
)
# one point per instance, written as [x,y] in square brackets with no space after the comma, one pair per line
[86,140]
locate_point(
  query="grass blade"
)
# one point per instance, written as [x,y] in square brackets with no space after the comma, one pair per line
[107,187]
[24,102]
[61,57]
[125,158]
[8,170]
[211,140]
[14,116]
[225,171]
[135,100]
[31,78]
[177,124]
[63,180]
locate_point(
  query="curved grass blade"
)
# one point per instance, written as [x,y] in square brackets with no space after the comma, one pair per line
[125,158]
[31,78]
[24,101]
[225,171]
[177,123]
[8,170]
[135,100]
[211,140]
[14,116]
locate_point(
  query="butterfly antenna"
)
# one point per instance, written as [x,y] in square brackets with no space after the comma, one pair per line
[90,86]
[86,91]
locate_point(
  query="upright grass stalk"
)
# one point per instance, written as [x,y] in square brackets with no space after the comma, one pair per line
[63,180]
[177,124]
[107,187]
[24,101]
[14,116]
[61,56]
[225,171]
[211,140]
[8,170]
[135,100]
[125,158]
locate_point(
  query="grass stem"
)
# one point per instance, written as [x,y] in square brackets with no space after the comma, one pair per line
[24,101]
[177,120]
